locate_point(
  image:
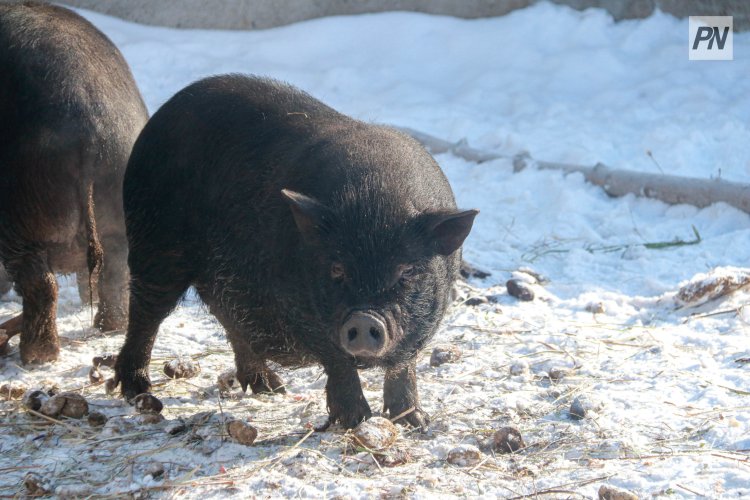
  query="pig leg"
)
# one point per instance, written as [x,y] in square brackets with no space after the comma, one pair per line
[150,303]
[5,283]
[262,380]
[251,370]
[36,284]
[7,330]
[400,395]
[112,286]
[346,402]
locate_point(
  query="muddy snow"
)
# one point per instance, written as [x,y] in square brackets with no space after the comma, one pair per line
[630,368]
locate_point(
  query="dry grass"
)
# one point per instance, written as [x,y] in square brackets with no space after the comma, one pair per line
[605,361]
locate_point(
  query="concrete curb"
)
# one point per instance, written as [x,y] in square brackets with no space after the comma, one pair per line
[262,14]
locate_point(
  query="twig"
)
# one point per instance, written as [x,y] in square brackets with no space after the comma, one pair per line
[550,491]
[676,243]
[20,467]
[744,460]
[372,455]
[59,422]
[223,418]
[168,446]
[403,414]
[288,451]
[688,489]
[124,436]
[481,463]
[560,489]
[708,315]
[181,481]
[651,155]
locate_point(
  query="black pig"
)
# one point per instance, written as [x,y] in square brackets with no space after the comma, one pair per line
[311,236]
[69,115]
[5,284]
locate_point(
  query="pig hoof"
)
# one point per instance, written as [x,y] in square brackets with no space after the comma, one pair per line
[4,339]
[349,419]
[40,352]
[133,385]
[324,427]
[347,422]
[417,419]
[110,321]
[264,383]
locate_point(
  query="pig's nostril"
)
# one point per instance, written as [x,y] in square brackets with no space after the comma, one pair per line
[352,334]
[375,333]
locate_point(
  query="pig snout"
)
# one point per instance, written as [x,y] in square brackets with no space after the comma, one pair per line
[363,334]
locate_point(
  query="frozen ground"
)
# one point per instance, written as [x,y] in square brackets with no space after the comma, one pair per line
[667,387]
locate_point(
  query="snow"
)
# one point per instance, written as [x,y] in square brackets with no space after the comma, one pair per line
[665,384]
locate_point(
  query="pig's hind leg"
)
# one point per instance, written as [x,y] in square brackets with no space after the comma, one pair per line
[36,284]
[252,370]
[112,287]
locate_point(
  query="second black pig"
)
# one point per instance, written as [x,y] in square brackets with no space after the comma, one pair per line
[311,236]
[69,114]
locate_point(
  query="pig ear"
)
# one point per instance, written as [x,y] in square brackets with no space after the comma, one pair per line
[448,231]
[308,213]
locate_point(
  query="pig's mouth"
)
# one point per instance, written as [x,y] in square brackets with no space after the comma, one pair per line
[369,335]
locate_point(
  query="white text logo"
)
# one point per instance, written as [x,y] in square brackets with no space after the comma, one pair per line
[710,38]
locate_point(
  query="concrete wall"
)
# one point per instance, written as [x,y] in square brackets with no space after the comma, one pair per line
[630,9]
[260,14]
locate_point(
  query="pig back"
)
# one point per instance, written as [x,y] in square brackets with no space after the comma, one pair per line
[69,114]
[203,184]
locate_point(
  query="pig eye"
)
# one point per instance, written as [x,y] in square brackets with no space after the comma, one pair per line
[337,271]
[405,271]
